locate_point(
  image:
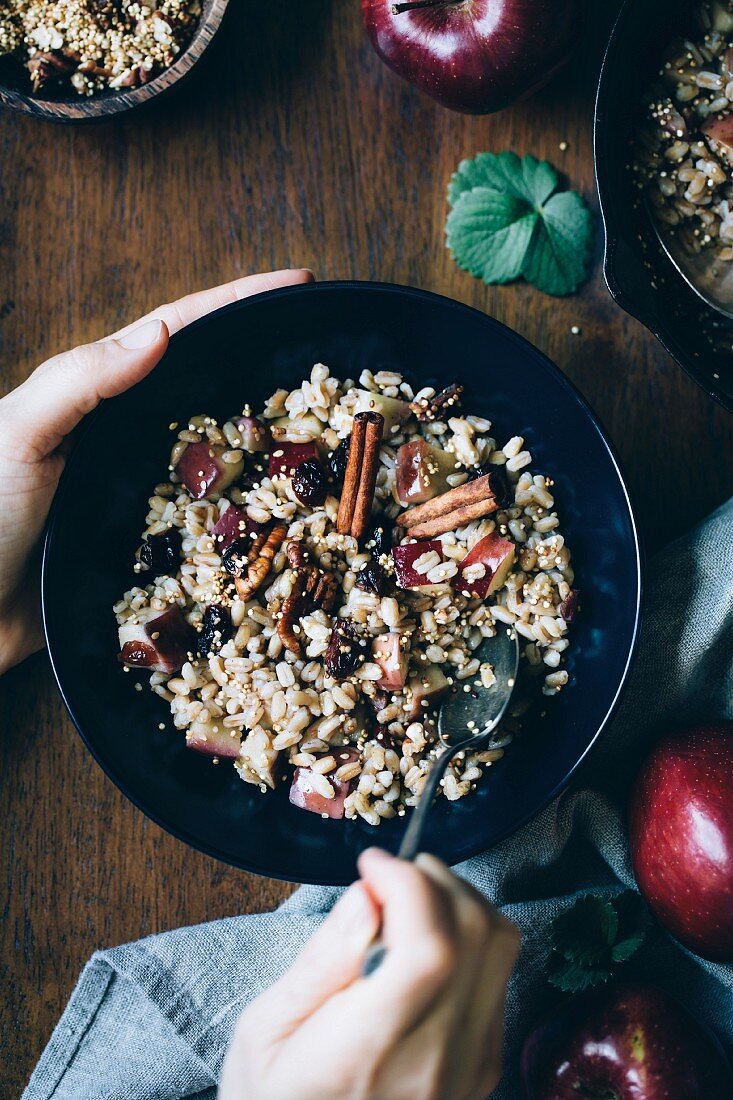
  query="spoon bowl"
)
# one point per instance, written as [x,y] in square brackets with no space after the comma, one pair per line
[468,717]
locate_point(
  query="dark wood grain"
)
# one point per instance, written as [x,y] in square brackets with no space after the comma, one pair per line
[294,146]
[76,108]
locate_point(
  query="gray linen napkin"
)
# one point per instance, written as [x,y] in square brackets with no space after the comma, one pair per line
[151,1020]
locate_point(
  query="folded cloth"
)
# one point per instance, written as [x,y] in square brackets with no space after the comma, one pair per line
[151,1020]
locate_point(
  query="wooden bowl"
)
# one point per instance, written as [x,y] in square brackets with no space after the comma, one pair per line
[104,104]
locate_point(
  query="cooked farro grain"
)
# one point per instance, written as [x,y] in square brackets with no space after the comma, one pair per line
[255,681]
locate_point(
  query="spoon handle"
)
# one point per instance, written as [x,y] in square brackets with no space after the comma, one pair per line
[410,845]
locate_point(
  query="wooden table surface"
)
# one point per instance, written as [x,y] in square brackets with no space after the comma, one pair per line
[293,146]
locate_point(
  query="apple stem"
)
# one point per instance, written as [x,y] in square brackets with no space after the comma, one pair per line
[412,5]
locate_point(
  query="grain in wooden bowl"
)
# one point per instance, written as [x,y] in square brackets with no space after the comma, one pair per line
[72,61]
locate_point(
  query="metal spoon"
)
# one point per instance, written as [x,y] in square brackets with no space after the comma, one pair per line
[709,278]
[466,722]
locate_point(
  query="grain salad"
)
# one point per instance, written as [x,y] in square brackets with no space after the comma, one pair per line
[684,148]
[315,578]
[85,46]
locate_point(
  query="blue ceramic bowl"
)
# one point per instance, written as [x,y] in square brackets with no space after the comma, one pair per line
[239,354]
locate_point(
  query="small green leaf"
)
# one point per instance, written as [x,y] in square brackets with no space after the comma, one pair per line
[633,925]
[585,931]
[593,936]
[510,221]
[558,261]
[490,232]
[574,977]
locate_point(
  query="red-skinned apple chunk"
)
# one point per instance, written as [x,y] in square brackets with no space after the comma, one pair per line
[159,642]
[627,1043]
[305,797]
[496,555]
[212,739]
[404,558]
[203,471]
[425,690]
[421,473]
[286,457]
[233,524]
[681,831]
[256,436]
[393,659]
[393,411]
[718,129]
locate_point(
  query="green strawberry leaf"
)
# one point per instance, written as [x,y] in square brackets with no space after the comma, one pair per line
[594,936]
[574,977]
[633,925]
[585,931]
[508,220]
[491,233]
[557,262]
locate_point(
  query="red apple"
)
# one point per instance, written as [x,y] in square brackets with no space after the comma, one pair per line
[425,690]
[476,56]
[421,472]
[157,641]
[681,826]
[212,739]
[404,558]
[256,436]
[624,1043]
[203,471]
[232,525]
[718,129]
[304,797]
[496,555]
[392,657]
[286,457]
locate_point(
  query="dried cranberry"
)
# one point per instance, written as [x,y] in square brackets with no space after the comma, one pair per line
[234,558]
[371,578]
[161,553]
[381,536]
[382,734]
[310,483]
[215,631]
[344,653]
[379,700]
[570,606]
[338,459]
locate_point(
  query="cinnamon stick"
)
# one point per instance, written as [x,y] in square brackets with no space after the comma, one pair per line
[471,492]
[368,478]
[350,490]
[451,521]
[360,477]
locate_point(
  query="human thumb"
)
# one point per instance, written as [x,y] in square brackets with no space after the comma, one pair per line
[54,399]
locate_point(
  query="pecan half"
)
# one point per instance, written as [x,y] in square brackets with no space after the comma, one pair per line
[51,65]
[325,592]
[312,588]
[435,407]
[261,560]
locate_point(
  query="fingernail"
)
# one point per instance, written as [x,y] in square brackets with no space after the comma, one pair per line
[354,909]
[142,336]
